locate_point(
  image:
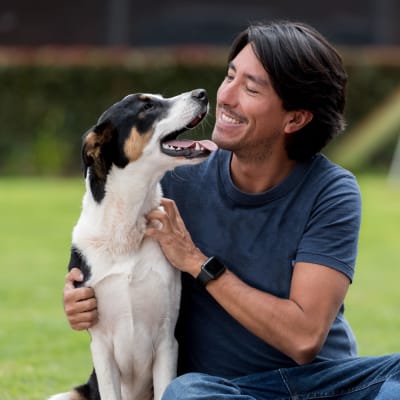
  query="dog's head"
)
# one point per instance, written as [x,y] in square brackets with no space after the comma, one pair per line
[146,126]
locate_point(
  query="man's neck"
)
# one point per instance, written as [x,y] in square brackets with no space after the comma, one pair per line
[257,176]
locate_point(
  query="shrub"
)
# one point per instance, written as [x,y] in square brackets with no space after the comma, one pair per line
[45,109]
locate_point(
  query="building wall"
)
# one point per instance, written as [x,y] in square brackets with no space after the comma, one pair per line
[180,22]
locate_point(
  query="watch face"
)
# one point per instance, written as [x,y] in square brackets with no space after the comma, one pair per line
[210,270]
[214,267]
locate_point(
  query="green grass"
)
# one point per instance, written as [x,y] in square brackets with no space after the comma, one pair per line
[39,353]
[374,298]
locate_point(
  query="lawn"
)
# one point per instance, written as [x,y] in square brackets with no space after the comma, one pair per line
[374,298]
[39,353]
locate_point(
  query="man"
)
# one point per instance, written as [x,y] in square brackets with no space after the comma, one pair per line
[266,236]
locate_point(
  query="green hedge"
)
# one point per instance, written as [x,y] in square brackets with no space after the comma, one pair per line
[44,110]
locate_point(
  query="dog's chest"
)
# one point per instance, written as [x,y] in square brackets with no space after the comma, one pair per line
[142,287]
[138,300]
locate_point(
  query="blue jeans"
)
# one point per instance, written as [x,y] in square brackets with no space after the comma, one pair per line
[366,378]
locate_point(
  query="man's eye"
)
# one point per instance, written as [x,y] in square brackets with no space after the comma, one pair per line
[251,91]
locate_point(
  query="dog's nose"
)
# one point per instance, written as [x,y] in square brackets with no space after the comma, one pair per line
[200,94]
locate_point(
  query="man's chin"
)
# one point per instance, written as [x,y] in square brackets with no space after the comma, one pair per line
[227,142]
[222,139]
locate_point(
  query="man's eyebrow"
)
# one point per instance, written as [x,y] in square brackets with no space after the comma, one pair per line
[254,78]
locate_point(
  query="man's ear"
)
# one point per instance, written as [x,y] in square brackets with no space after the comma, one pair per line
[297,119]
[93,143]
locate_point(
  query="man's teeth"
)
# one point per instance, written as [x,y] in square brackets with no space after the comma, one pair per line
[229,119]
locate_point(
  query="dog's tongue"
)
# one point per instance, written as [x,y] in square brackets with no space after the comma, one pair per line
[185,144]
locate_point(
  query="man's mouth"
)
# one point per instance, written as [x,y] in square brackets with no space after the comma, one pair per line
[230,120]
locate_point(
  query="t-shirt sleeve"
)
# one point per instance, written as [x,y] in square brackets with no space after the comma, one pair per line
[331,234]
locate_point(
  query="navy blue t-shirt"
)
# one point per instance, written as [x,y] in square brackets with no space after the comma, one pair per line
[311,216]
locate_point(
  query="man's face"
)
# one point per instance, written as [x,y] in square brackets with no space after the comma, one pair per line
[249,114]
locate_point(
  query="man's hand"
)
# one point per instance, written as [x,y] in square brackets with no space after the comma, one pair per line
[80,304]
[174,238]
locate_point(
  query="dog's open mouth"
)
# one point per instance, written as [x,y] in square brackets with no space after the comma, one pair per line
[187,148]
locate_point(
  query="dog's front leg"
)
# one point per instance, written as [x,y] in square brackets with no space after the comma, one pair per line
[164,367]
[106,370]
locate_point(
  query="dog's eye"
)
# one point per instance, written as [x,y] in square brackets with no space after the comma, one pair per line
[148,106]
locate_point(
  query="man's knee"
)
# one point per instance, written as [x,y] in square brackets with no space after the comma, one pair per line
[190,386]
[179,387]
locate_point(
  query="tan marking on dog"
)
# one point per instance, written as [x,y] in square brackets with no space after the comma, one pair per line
[92,145]
[94,141]
[92,150]
[136,142]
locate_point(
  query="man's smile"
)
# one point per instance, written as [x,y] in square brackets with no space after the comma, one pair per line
[230,117]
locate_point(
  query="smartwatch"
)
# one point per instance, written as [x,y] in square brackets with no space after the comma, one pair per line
[210,270]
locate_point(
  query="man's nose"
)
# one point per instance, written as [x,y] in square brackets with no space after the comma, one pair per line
[227,93]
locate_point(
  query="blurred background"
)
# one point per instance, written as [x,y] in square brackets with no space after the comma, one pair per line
[166,22]
[63,62]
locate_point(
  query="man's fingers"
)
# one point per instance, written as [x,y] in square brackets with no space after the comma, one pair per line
[158,221]
[80,306]
[83,320]
[82,310]
[74,275]
[170,207]
[156,214]
[78,294]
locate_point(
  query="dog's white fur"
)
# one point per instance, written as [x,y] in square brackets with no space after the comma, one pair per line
[137,291]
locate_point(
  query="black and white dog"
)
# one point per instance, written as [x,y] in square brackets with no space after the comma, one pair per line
[124,156]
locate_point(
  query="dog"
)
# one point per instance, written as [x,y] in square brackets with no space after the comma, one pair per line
[124,156]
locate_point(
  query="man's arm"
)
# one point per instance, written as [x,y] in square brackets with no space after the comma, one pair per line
[80,304]
[297,326]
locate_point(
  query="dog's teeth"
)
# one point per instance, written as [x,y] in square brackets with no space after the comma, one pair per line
[171,147]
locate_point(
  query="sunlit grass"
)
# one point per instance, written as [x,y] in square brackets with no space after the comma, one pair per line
[374,298]
[39,353]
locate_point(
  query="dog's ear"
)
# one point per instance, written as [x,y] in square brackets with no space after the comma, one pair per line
[93,143]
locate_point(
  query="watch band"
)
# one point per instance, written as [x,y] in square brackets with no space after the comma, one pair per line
[210,270]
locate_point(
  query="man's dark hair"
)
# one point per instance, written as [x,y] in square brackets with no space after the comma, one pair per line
[307,74]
